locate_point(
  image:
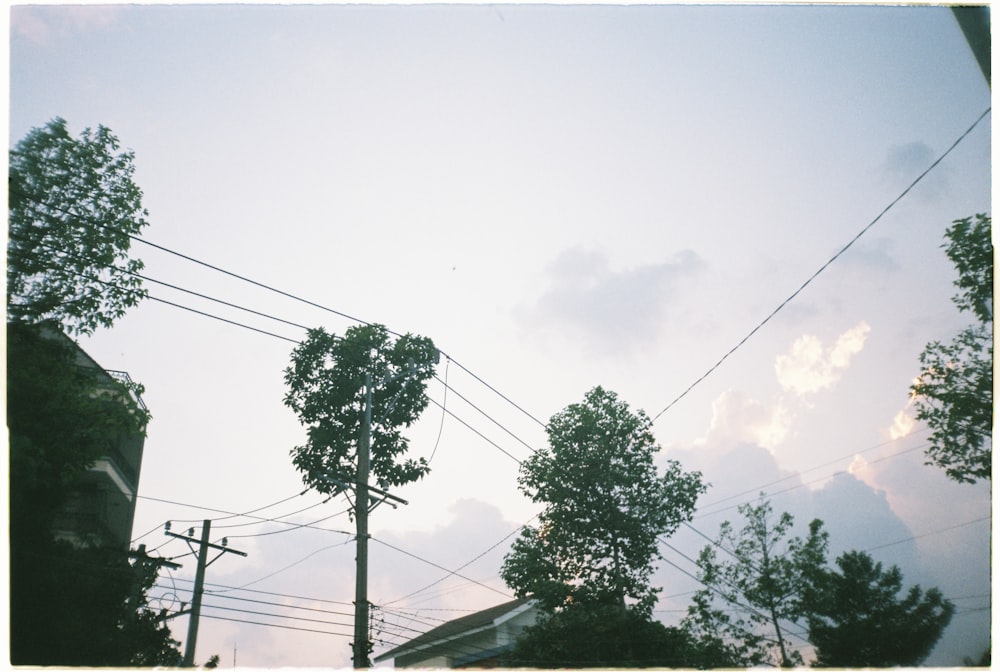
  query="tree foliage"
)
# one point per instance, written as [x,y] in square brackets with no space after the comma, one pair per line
[84,607]
[761,578]
[858,620]
[73,207]
[326,389]
[604,506]
[69,605]
[854,616]
[954,392]
[604,636]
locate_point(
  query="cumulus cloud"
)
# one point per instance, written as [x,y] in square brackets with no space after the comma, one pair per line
[609,309]
[902,424]
[738,418]
[810,367]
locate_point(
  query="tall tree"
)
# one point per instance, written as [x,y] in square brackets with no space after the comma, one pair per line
[73,207]
[858,620]
[604,506]
[761,580]
[954,392]
[326,390]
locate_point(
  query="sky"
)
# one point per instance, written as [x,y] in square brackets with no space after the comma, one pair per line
[560,196]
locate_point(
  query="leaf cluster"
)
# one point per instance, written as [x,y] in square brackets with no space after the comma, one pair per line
[326,389]
[954,392]
[605,504]
[73,206]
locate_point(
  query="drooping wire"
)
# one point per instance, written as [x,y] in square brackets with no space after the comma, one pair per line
[444,407]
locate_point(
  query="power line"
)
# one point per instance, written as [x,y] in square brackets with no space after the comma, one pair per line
[283,569]
[806,471]
[268,333]
[266,592]
[434,583]
[90,222]
[276,625]
[823,267]
[805,483]
[486,415]
[476,431]
[231,514]
[444,569]
[931,533]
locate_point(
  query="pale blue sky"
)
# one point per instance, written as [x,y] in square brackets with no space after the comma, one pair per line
[561,197]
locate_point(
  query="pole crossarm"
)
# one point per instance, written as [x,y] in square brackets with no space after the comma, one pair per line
[224,549]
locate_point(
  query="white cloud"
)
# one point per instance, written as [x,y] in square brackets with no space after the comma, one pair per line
[739,418]
[902,425]
[810,368]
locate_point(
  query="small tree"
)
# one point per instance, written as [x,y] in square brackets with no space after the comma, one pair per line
[604,506]
[858,620]
[73,207]
[326,390]
[954,392]
[762,582]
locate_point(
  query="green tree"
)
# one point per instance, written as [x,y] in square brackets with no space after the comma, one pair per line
[601,636]
[604,506]
[72,209]
[761,580]
[858,620]
[326,390]
[954,392]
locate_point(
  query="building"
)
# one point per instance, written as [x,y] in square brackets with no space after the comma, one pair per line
[101,507]
[476,640]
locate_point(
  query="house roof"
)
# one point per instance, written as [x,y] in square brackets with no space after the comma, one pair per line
[457,627]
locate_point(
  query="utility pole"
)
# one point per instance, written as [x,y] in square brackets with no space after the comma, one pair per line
[199,581]
[361,643]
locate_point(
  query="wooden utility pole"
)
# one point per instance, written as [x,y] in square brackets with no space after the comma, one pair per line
[199,582]
[361,643]
[199,588]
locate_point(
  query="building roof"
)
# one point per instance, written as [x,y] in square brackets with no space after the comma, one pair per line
[457,627]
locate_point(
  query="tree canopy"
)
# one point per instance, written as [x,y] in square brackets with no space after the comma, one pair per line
[954,392]
[605,636]
[762,578]
[73,207]
[326,389]
[767,585]
[604,507]
[858,620]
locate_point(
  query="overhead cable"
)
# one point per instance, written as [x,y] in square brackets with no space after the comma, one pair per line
[823,267]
